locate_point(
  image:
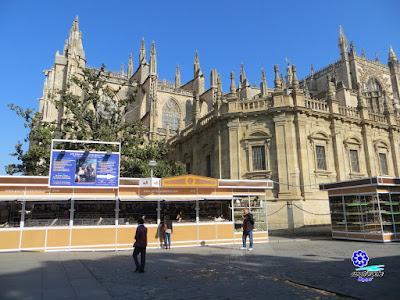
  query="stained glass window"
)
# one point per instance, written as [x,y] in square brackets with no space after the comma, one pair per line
[170,115]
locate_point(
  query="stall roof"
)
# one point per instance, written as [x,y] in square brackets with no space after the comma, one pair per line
[362,182]
[190,187]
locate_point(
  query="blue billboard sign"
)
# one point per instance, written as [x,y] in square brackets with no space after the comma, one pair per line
[84,169]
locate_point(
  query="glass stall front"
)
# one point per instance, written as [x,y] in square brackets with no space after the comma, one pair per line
[365,209]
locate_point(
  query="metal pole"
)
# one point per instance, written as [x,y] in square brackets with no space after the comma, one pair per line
[116,222]
[22,221]
[71,213]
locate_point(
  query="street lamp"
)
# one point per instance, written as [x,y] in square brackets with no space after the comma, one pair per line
[152,164]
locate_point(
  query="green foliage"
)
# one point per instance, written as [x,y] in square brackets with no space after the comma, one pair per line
[35,160]
[97,115]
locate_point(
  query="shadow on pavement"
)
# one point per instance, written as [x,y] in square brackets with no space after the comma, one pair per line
[305,270]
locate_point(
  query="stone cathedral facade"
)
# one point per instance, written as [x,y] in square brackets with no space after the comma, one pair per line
[341,122]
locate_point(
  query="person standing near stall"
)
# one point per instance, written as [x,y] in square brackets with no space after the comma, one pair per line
[248,225]
[140,246]
[167,227]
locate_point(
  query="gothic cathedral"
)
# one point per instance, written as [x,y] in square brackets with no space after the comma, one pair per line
[341,122]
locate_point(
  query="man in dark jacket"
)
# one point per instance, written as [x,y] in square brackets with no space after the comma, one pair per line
[248,225]
[140,246]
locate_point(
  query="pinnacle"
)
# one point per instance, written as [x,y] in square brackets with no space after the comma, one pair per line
[75,24]
[392,55]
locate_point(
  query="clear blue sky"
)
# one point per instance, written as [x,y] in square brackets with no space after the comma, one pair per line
[225,33]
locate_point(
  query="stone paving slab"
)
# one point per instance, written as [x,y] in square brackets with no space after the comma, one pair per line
[306,268]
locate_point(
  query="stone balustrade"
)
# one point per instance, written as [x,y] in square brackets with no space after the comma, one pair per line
[315,104]
[250,105]
[377,117]
[348,111]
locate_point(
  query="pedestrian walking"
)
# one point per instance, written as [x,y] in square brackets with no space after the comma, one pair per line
[140,246]
[167,227]
[248,225]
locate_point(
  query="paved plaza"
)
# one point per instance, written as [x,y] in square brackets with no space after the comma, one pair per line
[284,268]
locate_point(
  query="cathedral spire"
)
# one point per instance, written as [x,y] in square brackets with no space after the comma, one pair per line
[233,86]
[242,74]
[122,69]
[197,69]
[75,24]
[392,55]
[75,40]
[343,45]
[130,66]
[352,49]
[142,55]
[342,40]
[263,84]
[177,77]
[376,57]
[153,60]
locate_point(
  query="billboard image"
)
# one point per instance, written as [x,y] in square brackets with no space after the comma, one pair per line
[83,169]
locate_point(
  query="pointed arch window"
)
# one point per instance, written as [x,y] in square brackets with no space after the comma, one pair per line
[372,85]
[170,115]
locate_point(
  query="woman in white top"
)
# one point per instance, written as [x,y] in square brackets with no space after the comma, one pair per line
[167,227]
